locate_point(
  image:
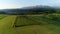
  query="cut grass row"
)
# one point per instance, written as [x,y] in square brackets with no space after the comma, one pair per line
[30,20]
[6,25]
[38,29]
[50,19]
[44,28]
[21,21]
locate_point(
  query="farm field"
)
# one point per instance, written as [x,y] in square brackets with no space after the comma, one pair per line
[6,24]
[42,24]
[28,24]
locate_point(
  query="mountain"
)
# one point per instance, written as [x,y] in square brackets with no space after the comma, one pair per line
[25,9]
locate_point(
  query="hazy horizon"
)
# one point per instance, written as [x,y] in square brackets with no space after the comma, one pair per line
[9,4]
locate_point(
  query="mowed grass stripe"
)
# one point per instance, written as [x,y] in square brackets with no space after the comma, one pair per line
[22,21]
[36,29]
[29,20]
[6,24]
[33,29]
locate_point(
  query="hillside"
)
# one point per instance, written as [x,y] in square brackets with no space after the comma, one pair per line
[29,24]
[29,10]
[33,20]
[41,24]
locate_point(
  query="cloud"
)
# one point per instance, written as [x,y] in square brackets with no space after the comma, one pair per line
[9,6]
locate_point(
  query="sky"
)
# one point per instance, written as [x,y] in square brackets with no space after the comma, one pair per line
[8,4]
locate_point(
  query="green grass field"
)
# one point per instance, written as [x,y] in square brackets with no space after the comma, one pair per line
[29,24]
[6,24]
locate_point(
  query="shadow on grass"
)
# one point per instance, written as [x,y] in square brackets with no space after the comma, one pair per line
[35,22]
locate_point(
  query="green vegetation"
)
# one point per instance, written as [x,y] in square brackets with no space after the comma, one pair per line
[2,16]
[33,21]
[30,24]
[6,24]
[39,24]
